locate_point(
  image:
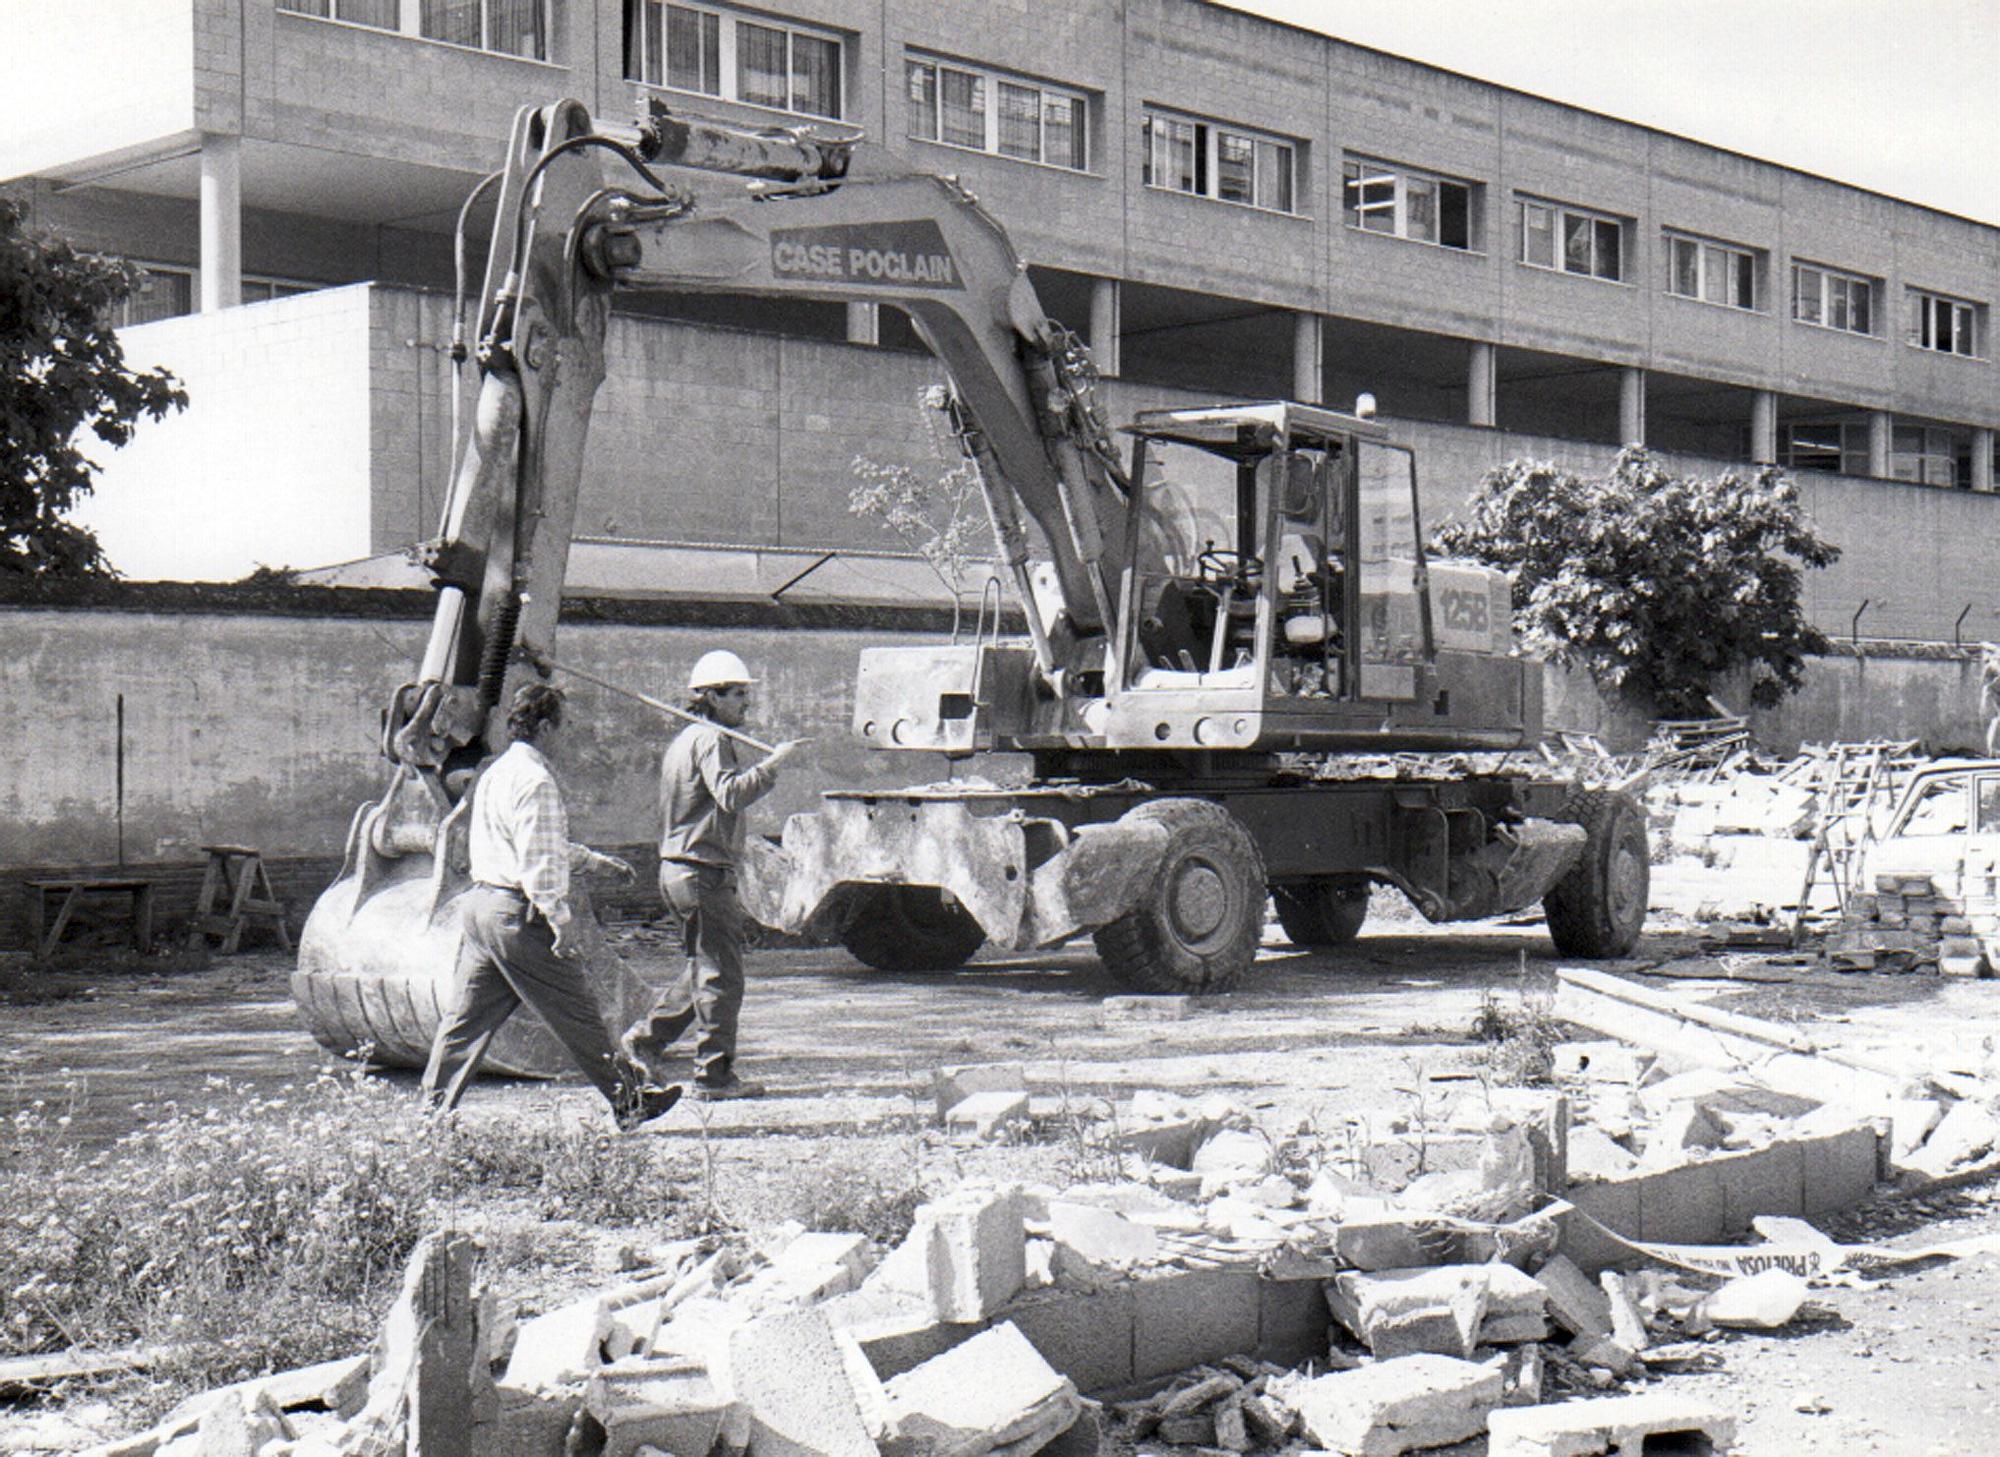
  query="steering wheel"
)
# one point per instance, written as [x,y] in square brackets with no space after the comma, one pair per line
[1217,565]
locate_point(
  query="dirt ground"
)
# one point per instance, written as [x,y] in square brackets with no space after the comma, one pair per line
[1378,1030]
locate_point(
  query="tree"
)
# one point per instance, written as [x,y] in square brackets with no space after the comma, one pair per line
[1654,583]
[62,372]
[943,519]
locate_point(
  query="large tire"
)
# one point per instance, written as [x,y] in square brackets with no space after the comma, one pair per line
[1326,912]
[1197,924]
[910,928]
[1599,908]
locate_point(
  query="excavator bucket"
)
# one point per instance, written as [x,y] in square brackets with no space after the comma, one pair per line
[379,951]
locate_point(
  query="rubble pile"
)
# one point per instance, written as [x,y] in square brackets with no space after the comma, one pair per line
[1949,921]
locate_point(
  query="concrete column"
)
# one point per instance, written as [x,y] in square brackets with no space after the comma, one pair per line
[1306,338]
[1878,444]
[221,222]
[1764,427]
[1482,386]
[864,323]
[1104,325]
[1631,406]
[1982,459]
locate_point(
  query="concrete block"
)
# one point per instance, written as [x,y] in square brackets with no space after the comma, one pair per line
[895,1333]
[1910,1123]
[1603,1353]
[1624,1425]
[1594,1154]
[1682,1127]
[1190,1317]
[1965,1132]
[1291,1321]
[1086,1335]
[668,1403]
[564,1344]
[1764,1181]
[1448,1310]
[1101,1236]
[1171,1143]
[988,1115]
[423,1371]
[975,1252]
[1233,1152]
[1613,1204]
[788,1373]
[1839,1170]
[1682,1206]
[1577,1305]
[528,1423]
[951,1086]
[1628,1322]
[1763,1301]
[1395,1406]
[994,1391]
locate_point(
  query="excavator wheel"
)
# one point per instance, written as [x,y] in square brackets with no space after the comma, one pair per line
[1196,927]
[1326,912]
[1599,908]
[910,928]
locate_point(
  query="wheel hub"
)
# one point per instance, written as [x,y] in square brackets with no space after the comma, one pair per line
[1199,901]
[1624,879]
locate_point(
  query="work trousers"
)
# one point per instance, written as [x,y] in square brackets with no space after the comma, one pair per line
[508,958]
[708,994]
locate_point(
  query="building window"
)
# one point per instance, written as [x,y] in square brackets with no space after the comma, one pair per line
[1572,241]
[733,58]
[1832,299]
[1836,446]
[382,14]
[1928,455]
[168,292]
[990,112]
[1715,273]
[1948,325]
[506,27]
[1227,163]
[1381,197]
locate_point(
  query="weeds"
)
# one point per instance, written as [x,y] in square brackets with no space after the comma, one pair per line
[266,1232]
[1517,1042]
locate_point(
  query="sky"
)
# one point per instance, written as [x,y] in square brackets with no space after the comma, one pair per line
[1901,96]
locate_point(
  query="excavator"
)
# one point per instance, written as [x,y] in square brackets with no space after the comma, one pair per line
[1241,681]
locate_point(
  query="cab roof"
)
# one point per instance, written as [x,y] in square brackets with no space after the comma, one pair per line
[1217,427]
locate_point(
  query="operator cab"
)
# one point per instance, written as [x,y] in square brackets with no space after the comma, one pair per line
[1279,595]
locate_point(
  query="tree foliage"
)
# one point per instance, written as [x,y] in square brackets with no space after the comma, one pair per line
[1654,583]
[62,374]
[942,518]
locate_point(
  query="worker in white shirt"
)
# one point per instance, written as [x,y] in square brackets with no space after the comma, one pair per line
[704,789]
[520,937]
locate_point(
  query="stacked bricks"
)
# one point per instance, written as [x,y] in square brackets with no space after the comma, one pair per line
[1908,922]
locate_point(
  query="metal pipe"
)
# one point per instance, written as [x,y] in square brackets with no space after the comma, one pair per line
[548,664]
[1854,626]
[1959,624]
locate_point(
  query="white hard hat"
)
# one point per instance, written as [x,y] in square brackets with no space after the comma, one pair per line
[717,670]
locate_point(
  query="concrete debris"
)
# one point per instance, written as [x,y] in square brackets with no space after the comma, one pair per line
[671,1403]
[951,1086]
[1446,1310]
[1621,1425]
[1963,1133]
[1144,1008]
[1764,1301]
[1101,1236]
[988,1115]
[787,1372]
[993,1393]
[1232,1153]
[1580,1307]
[1397,1406]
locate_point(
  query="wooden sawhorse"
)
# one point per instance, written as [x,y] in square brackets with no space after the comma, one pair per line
[239,871]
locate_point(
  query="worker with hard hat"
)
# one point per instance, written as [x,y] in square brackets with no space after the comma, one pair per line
[704,789]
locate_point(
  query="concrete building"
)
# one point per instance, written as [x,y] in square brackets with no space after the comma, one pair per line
[1222,205]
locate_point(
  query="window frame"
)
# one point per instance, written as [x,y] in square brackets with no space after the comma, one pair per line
[1562,218]
[1834,283]
[1204,150]
[644,68]
[280,288]
[1398,178]
[1745,264]
[1924,303]
[409,24]
[989,82]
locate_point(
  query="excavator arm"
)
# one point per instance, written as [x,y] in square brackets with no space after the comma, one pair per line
[581,215]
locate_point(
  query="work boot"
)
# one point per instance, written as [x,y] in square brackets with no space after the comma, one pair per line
[642,1104]
[717,1090]
[645,1052]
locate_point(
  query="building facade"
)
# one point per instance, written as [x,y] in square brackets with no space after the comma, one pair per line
[1223,205]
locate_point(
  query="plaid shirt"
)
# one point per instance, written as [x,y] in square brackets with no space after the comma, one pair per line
[519,836]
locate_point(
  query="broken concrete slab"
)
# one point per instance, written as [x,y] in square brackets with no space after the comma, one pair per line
[1580,1307]
[1234,1153]
[1446,1310]
[1101,1236]
[1395,1406]
[564,1344]
[1965,1132]
[1602,1061]
[788,1373]
[951,1086]
[1622,1425]
[422,1386]
[993,1392]
[988,1115]
[670,1403]
[1764,1301]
